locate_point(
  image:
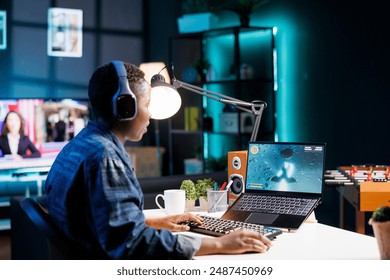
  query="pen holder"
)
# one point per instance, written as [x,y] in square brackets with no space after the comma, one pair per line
[217,200]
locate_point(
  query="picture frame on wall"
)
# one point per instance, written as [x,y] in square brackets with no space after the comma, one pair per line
[3,30]
[65,34]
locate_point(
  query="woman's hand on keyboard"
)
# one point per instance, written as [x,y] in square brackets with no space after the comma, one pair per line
[174,222]
[237,242]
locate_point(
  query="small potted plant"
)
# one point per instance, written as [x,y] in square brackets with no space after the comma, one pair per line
[191,194]
[201,186]
[380,222]
[243,8]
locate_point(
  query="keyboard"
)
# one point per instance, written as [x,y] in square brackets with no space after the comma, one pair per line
[275,204]
[216,227]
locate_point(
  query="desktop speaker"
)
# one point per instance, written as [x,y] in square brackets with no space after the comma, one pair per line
[237,161]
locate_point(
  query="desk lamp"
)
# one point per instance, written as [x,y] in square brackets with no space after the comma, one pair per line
[150,68]
[161,90]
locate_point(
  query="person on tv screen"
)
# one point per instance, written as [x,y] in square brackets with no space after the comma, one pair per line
[94,197]
[13,142]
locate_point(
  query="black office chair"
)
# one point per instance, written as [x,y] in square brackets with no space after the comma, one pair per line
[60,246]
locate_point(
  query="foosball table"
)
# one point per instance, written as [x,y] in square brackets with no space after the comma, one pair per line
[366,187]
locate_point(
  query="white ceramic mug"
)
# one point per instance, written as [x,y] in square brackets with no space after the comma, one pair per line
[174,201]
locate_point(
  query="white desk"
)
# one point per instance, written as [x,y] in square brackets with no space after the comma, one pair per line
[312,241]
[10,164]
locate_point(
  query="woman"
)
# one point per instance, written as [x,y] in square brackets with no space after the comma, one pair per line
[13,142]
[95,198]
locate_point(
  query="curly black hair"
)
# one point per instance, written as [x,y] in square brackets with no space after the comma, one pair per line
[104,84]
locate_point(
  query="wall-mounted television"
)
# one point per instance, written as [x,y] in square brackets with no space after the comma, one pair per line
[50,123]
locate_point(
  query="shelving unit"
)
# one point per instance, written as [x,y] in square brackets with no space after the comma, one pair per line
[241,64]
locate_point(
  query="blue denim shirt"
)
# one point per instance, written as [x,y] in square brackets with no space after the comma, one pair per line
[95,198]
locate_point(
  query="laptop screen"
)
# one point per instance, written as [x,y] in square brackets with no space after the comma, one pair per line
[286,167]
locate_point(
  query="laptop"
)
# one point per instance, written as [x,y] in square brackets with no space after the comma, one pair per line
[283,185]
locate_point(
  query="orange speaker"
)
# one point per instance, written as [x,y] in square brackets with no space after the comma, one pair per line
[237,161]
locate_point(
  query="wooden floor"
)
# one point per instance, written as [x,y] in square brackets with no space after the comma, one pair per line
[5,245]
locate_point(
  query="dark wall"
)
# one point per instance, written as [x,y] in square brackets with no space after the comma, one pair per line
[112,30]
[342,83]
[108,33]
[333,67]
[333,61]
